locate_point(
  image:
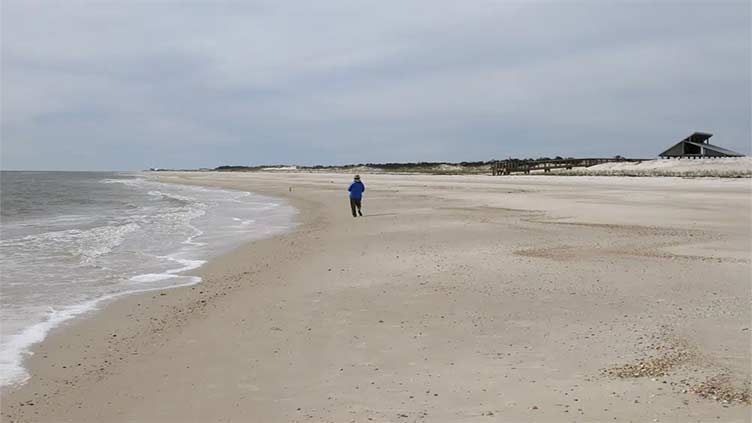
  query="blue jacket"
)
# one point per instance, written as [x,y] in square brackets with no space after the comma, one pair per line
[356,190]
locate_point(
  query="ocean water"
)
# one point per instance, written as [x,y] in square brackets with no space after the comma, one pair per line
[70,241]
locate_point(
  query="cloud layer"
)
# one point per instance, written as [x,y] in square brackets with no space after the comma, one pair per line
[129,85]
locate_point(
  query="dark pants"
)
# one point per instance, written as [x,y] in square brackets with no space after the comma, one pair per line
[355,202]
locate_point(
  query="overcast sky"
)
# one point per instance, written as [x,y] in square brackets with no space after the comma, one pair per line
[135,84]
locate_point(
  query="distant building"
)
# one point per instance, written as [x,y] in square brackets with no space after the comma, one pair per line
[696,146]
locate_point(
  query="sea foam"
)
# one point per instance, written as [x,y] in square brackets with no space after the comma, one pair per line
[117,235]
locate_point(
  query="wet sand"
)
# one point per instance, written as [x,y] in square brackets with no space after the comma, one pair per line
[454,299]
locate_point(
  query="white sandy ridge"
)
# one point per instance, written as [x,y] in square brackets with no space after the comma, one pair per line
[719,167]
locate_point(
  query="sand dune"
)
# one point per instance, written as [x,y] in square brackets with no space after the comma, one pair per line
[729,167]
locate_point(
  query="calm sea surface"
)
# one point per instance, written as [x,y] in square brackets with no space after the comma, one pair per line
[71,240]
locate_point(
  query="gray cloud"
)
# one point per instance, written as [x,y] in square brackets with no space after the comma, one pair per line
[128,85]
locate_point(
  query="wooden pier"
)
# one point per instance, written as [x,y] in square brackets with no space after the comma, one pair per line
[507,167]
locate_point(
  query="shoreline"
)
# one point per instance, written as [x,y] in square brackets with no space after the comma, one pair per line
[186,274]
[284,282]
[104,328]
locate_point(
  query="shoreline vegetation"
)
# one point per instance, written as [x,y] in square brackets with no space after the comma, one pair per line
[732,167]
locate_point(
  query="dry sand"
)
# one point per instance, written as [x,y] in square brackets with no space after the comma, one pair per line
[455,299]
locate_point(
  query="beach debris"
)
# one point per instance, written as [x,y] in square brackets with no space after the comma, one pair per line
[720,388]
[671,352]
[651,367]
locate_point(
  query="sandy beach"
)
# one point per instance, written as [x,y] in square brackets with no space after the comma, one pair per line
[455,298]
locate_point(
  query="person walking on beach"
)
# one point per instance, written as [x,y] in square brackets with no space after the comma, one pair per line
[356,195]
